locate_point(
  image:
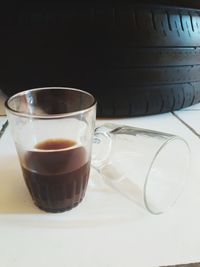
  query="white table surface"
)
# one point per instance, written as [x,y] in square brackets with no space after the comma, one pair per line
[105,230]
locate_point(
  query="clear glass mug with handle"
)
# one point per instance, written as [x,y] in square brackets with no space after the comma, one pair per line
[146,166]
[53,131]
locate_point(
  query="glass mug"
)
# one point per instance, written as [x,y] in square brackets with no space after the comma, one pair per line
[148,167]
[53,132]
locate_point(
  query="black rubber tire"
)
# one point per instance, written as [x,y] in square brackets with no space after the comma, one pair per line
[136,59]
[154,64]
[155,61]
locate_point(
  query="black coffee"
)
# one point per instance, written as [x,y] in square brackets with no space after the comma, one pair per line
[56,174]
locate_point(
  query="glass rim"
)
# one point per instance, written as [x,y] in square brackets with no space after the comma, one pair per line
[163,145]
[49,116]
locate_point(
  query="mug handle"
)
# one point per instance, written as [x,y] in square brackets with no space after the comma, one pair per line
[101,149]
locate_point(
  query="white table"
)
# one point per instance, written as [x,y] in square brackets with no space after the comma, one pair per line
[105,230]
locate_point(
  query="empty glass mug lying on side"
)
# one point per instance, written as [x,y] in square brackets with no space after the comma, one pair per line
[146,166]
[53,129]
